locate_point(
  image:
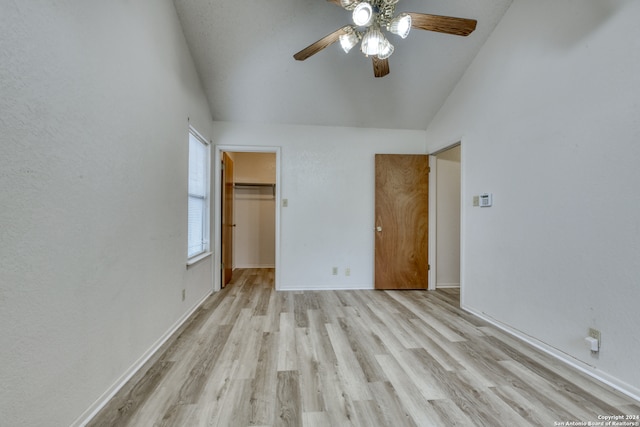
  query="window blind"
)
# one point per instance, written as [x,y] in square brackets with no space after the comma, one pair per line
[198,212]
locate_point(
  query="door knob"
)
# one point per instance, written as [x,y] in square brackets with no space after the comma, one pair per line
[378,229]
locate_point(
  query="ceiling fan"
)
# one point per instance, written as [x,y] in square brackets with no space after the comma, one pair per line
[370,17]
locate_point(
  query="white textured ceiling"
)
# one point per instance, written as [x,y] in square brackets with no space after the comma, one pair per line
[243,50]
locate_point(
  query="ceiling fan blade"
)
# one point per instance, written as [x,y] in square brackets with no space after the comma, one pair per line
[443,24]
[380,66]
[335,2]
[316,47]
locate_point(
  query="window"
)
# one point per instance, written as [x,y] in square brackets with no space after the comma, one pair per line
[198,216]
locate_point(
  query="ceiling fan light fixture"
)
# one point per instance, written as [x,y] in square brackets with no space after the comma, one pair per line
[349,40]
[370,18]
[400,25]
[349,4]
[363,14]
[371,42]
[385,49]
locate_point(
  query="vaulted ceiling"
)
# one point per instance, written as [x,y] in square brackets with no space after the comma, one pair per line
[243,52]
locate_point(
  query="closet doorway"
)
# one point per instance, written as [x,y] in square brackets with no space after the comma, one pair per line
[247,215]
[447,216]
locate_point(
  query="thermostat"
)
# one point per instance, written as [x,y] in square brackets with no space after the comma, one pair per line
[486,200]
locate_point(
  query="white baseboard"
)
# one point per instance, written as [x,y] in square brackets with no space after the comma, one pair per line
[328,287]
[93,410]
[254,266]
[447,285]
[603,377]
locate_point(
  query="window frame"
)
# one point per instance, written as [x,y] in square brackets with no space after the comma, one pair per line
[205,197]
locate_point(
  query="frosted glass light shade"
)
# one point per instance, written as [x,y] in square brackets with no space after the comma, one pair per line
[363,14]
[400,25]
[349,40]
[371,42]
[349,4]
[385,49]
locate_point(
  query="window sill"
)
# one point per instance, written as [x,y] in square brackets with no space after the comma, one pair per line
[198,258]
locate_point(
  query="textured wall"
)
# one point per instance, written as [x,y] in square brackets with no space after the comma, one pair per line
[93,155]
[550,123]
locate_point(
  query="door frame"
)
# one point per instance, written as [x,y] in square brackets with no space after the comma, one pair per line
[433,212]
[217,229]
[227,232]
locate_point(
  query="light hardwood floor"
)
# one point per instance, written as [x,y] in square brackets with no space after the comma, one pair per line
[251,356]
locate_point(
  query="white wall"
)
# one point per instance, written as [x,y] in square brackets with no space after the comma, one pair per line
[550,122]
[448,218]
[254,244]
[94,100]
[327,176]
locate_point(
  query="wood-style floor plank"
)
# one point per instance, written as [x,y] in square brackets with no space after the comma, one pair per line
[287,354]
[308,367]
[410,396]
[251,356]
[288,407]
[391,408]
[262,397]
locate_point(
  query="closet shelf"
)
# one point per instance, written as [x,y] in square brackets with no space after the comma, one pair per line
[255,184]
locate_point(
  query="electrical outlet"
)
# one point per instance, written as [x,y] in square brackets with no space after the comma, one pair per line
[594,333]
[184,294]
[334,271]
[347,271]
[285,203]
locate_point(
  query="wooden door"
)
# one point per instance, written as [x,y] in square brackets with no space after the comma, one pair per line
[401,211]
[227,219]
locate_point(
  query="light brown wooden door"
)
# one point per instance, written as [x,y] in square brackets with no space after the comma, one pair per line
[227,219]
[402,219]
